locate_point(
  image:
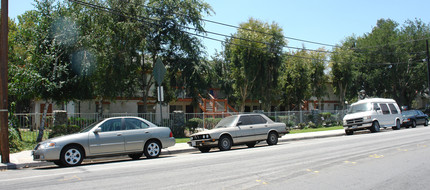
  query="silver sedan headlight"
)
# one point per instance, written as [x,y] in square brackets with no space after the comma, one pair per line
[47,145]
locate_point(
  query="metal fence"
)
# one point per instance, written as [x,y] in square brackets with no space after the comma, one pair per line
[29,123]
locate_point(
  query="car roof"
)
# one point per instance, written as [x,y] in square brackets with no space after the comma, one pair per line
[375,100]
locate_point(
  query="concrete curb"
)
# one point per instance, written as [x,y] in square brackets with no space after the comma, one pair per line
[286,138]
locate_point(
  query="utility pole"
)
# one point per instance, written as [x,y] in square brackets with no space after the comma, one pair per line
[428,65]
[4,132]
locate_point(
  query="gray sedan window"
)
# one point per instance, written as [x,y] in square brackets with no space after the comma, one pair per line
[111,125]
[257,119]
[131,123]
[246,120]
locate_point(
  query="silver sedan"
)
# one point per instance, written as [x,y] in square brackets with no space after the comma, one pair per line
[131,136]
[240,129]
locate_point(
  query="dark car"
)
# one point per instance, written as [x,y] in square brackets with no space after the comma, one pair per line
[412,118]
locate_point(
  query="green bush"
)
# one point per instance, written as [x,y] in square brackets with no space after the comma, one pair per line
[302,125]
[15,143]
[192,124]
[60,130]
[211,122]
[312,125]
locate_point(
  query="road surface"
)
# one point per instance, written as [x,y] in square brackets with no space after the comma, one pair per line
[385,160]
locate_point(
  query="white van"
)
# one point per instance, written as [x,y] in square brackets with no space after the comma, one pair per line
[372,114]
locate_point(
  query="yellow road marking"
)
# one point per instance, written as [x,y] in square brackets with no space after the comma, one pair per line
[70,178]
[376,156]
[349,162]
[404,150]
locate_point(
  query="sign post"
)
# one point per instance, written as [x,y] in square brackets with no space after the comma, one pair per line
[159,72]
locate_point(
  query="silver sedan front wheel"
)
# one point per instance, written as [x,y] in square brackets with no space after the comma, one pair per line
[71,156]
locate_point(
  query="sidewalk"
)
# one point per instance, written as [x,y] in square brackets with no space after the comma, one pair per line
[25,160]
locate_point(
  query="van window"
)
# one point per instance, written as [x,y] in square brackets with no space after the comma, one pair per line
[360,108]
[375,106]
[393,109]
[384,108]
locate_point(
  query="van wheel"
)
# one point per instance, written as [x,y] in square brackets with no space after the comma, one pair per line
[397,127]
[375,127]
[349,132]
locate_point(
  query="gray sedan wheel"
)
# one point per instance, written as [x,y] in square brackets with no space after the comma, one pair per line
[224,143]
[426,123]
[71,156]
[152,149]
[272,138]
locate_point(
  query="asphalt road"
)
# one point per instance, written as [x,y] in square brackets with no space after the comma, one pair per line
[385,160]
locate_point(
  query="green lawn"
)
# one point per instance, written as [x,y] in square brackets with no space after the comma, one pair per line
[182,140]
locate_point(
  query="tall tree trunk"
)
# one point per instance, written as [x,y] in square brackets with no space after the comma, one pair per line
[42,123]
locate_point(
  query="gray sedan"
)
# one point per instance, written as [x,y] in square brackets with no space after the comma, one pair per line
[246,129]
[132,136]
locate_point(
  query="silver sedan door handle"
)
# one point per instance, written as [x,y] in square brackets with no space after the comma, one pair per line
[119,134]
[146,131]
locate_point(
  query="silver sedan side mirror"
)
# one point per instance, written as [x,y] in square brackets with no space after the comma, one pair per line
[98,130]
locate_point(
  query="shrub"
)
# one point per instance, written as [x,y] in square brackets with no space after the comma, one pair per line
[211,122]
[312,125]
[15,143]
[192,124]
[60,130]
[302,125]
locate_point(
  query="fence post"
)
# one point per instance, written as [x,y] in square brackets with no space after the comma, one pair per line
[301,116]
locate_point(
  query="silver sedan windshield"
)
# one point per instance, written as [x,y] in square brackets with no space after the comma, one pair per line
[227,122]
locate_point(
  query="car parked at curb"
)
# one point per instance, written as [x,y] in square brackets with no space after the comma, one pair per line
[372,114]
[412,118]
[132,136]
[248,129]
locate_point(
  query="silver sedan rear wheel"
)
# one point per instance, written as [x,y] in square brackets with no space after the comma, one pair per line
[272,138]
[152,149]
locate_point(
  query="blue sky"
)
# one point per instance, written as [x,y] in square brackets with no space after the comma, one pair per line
[324,21]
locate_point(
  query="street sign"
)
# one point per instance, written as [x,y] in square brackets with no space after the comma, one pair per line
[160,94]
[159,72]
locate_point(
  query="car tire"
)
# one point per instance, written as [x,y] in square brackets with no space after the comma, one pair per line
[251,144]
[272,138]
[349,132]
[375,127]
[71,156]
[152,149]
[224,143]
[135,156]
[414,124]
[426,123]
[397,127]
[204,149]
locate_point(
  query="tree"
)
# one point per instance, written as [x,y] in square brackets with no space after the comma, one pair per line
[388,61]
[317,74]
[342,72]
[255,56]
[295,79]
[50,58]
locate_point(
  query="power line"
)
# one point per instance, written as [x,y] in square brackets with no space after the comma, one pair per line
[240,28]
[106,9]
